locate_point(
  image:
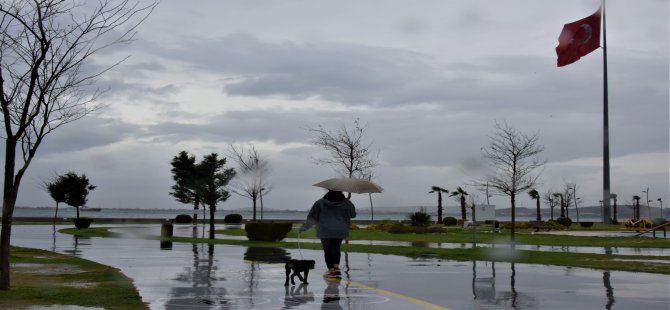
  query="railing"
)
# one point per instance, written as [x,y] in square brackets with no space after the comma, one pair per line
[654,229]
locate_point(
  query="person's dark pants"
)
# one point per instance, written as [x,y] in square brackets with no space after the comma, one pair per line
[331,251]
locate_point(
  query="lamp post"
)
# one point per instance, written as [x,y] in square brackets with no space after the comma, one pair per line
[648,209]
[261,194]
[601,207]
[661,202]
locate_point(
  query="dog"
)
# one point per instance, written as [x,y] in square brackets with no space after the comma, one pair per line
[297,266]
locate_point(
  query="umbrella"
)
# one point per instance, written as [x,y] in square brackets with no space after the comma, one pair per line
[350,185]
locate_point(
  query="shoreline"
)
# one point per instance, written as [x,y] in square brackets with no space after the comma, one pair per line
[61,221]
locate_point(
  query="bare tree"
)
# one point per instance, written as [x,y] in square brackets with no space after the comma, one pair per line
[548,198]
[44,45]
[252,176]
[571,188]
[348,152]
[513,156]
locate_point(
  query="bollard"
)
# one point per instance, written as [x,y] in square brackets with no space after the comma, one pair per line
[166,230]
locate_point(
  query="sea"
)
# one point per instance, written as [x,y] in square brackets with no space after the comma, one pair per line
[67,212]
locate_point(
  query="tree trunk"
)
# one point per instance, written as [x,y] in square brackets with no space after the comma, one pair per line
[513,230]
[253,209]
[195,213]
[56,213]
[8,202]
[463,217]
[614,213]
[439,207]
[537,203]
[211,222]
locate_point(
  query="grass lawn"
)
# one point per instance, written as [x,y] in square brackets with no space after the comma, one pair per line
[459,235]
[45,278]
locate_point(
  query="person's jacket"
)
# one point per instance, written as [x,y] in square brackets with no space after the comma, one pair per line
[332,218]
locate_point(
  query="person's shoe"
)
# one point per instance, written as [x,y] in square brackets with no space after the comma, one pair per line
[333,274]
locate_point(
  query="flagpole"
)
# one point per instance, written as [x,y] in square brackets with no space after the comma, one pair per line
[606,218]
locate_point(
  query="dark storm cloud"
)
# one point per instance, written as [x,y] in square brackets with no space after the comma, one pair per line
[86,133]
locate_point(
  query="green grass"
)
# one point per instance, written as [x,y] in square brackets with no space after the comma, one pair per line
[45,278]
[89,232]
[458,235]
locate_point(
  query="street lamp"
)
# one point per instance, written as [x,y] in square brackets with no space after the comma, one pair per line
[661,202]
[261,194]
[648,208]
[601,207]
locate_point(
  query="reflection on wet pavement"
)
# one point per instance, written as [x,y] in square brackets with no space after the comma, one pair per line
[202,276]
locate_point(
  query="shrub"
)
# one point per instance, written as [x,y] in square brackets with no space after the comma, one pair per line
[267,231]
[399,229]
[354,227]
[493,223]
[384,225]
[83,222]
[232,218]
[565,221]
[183,219]
[419,218]
[450,221]
[556,225]
[517,225]
[586,224]
[403,229]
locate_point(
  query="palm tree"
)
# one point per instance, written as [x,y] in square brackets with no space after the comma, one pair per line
[460,194]
[614,196]
[636,207]
[439,191]
[536,195]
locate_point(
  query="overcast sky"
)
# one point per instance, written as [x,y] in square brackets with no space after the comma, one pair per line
[429,79]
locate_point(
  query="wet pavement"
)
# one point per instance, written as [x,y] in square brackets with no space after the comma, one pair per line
[200,276]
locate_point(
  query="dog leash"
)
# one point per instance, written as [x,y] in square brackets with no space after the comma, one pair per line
[299,249]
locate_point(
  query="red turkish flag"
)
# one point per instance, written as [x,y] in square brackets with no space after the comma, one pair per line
[578,39]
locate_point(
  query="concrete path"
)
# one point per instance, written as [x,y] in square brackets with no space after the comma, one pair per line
[198,276]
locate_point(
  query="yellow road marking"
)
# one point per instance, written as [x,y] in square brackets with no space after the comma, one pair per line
[419,302]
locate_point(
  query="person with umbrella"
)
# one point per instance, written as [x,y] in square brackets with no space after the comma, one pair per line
[332,216]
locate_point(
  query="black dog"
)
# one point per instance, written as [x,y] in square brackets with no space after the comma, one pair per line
[298,266]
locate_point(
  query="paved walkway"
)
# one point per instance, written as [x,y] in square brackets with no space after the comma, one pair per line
[199,276]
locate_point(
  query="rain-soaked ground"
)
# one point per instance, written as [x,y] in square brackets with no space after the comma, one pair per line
[200,276]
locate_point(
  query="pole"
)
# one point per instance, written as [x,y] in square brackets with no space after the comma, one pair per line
[372,210]
[606,148]
[261,194]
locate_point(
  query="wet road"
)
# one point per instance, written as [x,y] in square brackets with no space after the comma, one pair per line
[188,276]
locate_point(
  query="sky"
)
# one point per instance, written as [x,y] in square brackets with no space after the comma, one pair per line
[428,79]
